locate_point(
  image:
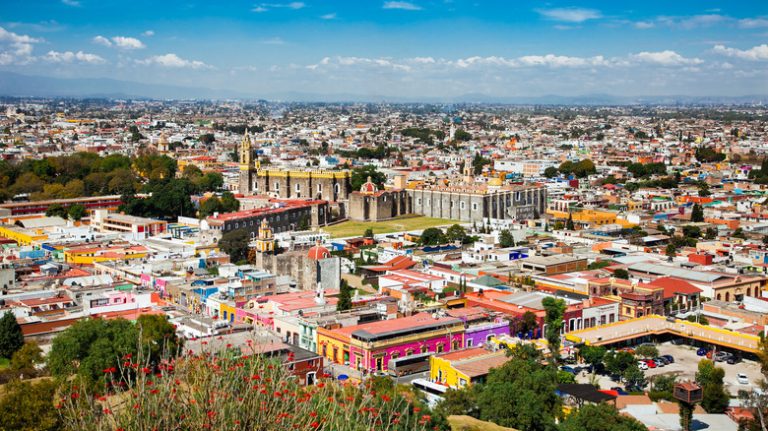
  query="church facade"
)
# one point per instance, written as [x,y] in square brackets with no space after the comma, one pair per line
[331,186]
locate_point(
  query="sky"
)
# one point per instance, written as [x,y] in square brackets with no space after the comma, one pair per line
[418,48]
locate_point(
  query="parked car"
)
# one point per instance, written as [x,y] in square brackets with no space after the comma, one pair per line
[660,362]
[619,390]
[702,351]
[733,360]
[569,369]
[669,358]
[651,363]
[722,356]
[643,365]
[742,378]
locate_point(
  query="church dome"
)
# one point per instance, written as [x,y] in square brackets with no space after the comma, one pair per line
[318,252]
[369,187]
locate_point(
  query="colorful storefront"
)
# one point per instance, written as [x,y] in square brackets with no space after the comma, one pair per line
[371,346]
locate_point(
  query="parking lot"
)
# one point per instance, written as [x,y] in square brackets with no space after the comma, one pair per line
[685,366]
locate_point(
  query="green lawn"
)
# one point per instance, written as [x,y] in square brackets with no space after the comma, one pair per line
[4,363]
[467,423]
[357,228]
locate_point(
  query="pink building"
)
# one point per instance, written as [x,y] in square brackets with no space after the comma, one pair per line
[370,346]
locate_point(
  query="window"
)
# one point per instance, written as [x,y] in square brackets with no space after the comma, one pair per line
[440,348]
[311,378]
[297,188]
[395,355]
[468,343]
[463,205]
[277,186]
[424,349]
[319,188]
[418,201]
[474,206]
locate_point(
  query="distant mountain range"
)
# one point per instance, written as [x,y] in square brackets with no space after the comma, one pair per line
[18,85]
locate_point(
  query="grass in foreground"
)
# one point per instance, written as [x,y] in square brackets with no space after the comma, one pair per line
[468,423]
[357,228]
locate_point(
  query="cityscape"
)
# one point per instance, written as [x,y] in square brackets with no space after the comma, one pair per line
[399,215]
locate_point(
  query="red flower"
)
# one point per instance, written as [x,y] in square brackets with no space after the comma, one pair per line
[315,424]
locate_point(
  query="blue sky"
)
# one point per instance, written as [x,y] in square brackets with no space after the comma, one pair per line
[427,48]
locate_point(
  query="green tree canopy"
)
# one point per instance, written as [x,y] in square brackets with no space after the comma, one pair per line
[506,239]
[26,406]
[600,417]
[11,338]
[456,233]
[555,310]
[235,244]
[432,236]
[360,176]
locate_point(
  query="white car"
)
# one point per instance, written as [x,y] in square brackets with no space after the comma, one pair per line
[642,365]
[742,379]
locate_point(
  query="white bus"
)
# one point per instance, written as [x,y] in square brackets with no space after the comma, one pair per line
[433,391]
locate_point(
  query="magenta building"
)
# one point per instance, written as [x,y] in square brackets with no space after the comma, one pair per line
[371,346]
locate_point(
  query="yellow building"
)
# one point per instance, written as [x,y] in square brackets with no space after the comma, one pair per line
[22,236]
[95,254]
[590,218]
[463,367]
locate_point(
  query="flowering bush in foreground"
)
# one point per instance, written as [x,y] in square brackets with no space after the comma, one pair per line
[209,392]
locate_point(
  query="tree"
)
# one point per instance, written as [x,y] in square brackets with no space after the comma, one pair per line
[458,402]
[647,351]
[158,336]
[456,233]
[345,296]
[368,233]
[432,236]
[621,273]
[26,359]
[56,210]
[11,338]
[528,323]
[671,250]
[569,224]
[89,347]
[235,244]
[506,239]
[697,213]
[478,162]
[521,393]
[29,406]
[593,355]
[739,233]
[617,362]
[634,376]
[76,212]
[710,377]
[550,172]
[462,135]
[360,176]
[600,417]
[555,310]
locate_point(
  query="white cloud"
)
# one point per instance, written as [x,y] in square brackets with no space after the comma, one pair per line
[573,14]
[16,48]
[757,53]
[665,58]
[273,41]
[127,42]
[101,40]
[72,3]
[148,33]
[694,21]
[264,7]
[173,61]
[475,63]
[753,23]
[70,57]
[644,25]
[402,5]
[328,16]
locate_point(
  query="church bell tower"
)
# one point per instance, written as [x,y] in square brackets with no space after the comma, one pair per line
[245,184]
